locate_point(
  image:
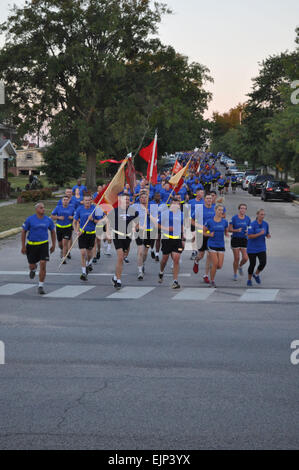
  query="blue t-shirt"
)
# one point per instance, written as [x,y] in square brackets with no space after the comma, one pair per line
[221,181]
[236,223]
[193,203]
[38,228]
[82,188]
[195,187]
[208,213]
[82,214]
[66,212]
[257,245]
[72,202]
[165,195]
[169,219]
[219,229]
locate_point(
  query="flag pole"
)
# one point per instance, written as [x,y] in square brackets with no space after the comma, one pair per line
[98,203]
[170,195]
[152,166]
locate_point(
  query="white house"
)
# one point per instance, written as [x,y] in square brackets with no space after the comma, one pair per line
[6,152]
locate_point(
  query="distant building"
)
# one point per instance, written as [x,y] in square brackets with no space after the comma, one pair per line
[29,160]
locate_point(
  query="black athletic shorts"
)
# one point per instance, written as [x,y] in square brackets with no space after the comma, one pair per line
[171,246]
[238,242]
[63,233]
[216,249]
[123,243]
[204,246]
[86,241]
[147,239]
[226,185]
[36,253]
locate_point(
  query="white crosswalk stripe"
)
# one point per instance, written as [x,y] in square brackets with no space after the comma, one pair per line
[131,293]
[11,289]
[69,292]
[193,294]
[259,295]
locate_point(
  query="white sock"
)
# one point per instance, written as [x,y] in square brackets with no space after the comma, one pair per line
[84,270]
[108,246]
[162,272]
[157,254]
[140,269]
[88,263]
[40,284]
[119,280]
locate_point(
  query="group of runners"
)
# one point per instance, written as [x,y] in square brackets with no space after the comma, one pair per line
[157,219]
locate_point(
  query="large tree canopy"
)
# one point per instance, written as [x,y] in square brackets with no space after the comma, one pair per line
[94,70]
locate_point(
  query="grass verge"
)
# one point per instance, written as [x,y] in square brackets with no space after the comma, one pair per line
[14,215]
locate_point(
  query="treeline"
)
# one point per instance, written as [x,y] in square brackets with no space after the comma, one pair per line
[93,79]
[265,130]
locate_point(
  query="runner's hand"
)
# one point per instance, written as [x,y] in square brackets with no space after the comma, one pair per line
[52,249]
[23,250]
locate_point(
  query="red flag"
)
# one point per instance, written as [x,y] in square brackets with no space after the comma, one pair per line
[112,190]
[176,168]
[147,154]
[131,175]
[110,161]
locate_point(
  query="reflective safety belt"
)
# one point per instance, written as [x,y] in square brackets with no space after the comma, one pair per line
[176,237]
[37,243]
[88,233]
[63,226]
[121,233]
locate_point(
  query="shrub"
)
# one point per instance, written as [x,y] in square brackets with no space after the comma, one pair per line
[35,195]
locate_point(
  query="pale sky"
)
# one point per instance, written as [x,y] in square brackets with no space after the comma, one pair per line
[230,37]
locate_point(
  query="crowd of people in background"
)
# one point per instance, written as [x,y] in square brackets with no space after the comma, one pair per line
[155,216]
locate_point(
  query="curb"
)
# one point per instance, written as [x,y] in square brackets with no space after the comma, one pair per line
[296,202]
[12,231]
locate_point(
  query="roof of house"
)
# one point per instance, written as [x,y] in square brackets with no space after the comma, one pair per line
[6,144]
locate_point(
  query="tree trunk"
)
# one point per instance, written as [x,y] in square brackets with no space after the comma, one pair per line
[276,173]
[91,167]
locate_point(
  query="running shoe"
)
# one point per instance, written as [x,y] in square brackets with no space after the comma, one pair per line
[206,279]
[212,284]
[64,262]
[114,281]
[235,277]
[193,255]
[108,253]
[161,278]
[69,256]
[175,285]
[249,283]
[32,274]
[157,258]
[83,277]
[126,260]
[94,260]
[240,271]
[143,269]
[89,268]
[41,290]
[153,254]
[118,285]
[195,267]
[257,279]
[98,255]
[140,277]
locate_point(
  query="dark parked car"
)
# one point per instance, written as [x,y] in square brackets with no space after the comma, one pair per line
[276,190]
[255,186]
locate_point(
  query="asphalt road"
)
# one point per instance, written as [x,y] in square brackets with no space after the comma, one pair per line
[88,371]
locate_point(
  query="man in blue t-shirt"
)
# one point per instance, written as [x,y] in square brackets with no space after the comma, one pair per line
[36,229]
[63,214]
[258,231]
[85,222]
[81,187]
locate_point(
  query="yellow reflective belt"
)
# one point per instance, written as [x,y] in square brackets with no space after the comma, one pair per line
[200,231]
[89,233]
[122,234]
[37,243]
[171,236]
[182,202]
[63,226]
[100,226]
[149,229]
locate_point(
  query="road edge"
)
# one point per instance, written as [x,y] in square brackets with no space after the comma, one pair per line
[8,233]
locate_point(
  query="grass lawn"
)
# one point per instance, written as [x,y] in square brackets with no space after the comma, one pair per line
[14,215]
[21,181]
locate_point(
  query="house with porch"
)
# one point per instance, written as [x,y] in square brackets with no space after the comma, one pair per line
[7,152]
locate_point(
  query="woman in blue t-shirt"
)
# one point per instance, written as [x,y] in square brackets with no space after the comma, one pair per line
[216,228]
[256,248]
[238,226]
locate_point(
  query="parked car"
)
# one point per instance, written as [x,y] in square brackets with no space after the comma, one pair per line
[231,163]
[252,172]
[276,190]
[255,186]
[240,177]
[246,181]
